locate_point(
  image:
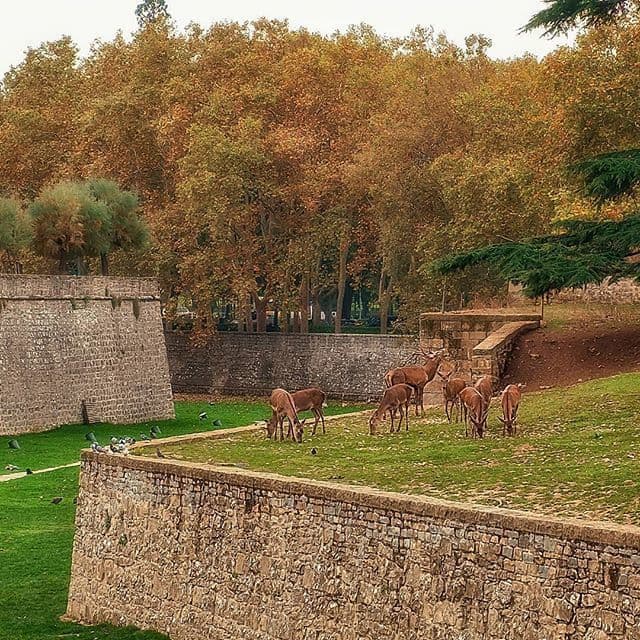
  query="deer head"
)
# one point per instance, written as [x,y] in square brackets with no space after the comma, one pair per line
[271,426]
[298,430]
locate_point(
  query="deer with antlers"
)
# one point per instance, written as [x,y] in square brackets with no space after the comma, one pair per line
[313,400]
[416,376]
[510,400]
[395,398]
[283,406]
[477,410]
[451,388]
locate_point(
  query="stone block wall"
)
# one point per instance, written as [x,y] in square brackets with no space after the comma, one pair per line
[223,554]
[461,333]
[622,291]
[345,366]
[71,341]
[490,357]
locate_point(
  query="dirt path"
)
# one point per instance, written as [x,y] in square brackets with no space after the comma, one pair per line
[22,474]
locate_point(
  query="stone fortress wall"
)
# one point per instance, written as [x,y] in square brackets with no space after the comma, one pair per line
[346,366]
[76,349]
[219,553]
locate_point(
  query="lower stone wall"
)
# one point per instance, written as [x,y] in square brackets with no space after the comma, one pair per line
[218,553]
[345,366]
[461,333]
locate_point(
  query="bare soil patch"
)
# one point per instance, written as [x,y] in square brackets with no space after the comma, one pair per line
[576,345]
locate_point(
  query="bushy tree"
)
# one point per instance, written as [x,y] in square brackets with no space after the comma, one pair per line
[128,232]
[561,16]
[70,226]
[15,233]
[580,251]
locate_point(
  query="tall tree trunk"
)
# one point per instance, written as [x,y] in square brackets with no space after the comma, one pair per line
[261,312]
[316,310]
[104,264]
[247,314]
[276,319]
[304,304]
[348,301]
[384,300]
[342,280]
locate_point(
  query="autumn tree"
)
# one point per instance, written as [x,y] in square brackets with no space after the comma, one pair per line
[583,251]
[15,233]
[40,104]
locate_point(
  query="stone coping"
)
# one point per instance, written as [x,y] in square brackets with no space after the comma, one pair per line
[605,533]
[502,335]
[409,337]
[59,287]
[496,315]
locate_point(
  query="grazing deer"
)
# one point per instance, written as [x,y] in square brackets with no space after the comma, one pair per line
[477,410]
[416,376]
[510,400]
[312,399]
[397,397]
[451,388]
[485,387]
[283,406]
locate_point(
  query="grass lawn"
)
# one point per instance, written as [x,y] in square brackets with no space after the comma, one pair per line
[36,536]
[577,454]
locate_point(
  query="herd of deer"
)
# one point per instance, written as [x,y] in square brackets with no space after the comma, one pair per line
[471,402]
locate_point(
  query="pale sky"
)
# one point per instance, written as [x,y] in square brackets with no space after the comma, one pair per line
[27,23]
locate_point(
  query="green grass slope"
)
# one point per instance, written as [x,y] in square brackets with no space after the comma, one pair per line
[577,453]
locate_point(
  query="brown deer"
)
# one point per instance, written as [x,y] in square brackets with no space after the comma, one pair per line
[416,376]
[485,386]
[313,400]
[283,406]
[477,410]
[510,400]
[396,397]
[451,388]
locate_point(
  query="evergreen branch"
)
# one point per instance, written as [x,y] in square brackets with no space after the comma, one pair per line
[561,16]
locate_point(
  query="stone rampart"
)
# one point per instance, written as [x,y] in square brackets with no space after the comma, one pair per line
[218,553]
[76,349]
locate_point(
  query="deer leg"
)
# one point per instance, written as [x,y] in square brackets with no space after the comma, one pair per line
[281,427]
[322,418]
[406,416]
[392,412]
[315,424]
[446,410]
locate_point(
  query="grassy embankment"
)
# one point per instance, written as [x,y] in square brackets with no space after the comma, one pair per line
[577,453]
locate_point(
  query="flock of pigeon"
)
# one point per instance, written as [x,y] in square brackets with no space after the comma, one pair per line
[120,444]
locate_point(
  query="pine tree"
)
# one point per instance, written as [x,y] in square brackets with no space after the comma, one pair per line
[150,11]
